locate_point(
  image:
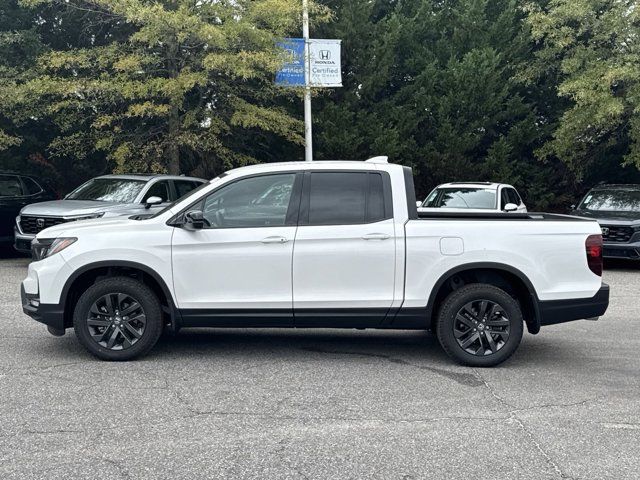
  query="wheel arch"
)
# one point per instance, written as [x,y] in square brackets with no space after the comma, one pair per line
[89,273]
[501,275]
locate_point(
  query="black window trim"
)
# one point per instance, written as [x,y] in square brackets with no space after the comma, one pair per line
[291,219]
[303,217]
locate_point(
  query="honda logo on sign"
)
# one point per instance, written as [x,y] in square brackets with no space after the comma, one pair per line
[40,222]
[325,55]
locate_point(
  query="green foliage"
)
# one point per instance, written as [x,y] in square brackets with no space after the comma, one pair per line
[540,93]
[593,47]
[157,81]
[431,85]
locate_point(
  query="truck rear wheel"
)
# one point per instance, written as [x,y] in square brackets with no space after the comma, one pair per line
[479,325]
[118,318]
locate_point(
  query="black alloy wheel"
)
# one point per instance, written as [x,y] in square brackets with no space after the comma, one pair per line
[118,318]
[481,327]
[116,321]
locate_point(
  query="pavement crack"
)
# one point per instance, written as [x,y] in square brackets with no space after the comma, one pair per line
[512,412]
[122,470]
[466,379]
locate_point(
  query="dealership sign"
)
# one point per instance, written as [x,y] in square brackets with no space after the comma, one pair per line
[324,66]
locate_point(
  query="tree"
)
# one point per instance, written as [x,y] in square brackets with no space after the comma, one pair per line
[593,48]
[431,84]
[155,83]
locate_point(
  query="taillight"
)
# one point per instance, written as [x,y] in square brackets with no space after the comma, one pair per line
[593,244]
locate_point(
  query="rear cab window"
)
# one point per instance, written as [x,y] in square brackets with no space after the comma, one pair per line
[346,198]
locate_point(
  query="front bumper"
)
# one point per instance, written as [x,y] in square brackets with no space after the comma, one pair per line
[22,241]
[51,315]
[628,251]
[560,311]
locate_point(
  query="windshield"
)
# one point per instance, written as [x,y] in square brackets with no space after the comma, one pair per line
[612,200]
[118,190]
[480,198]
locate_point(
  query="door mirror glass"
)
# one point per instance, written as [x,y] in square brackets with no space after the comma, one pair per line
[149,202]
[510,207]
[194,220]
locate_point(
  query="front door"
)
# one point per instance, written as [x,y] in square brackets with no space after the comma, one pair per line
[344,257]
[239,265]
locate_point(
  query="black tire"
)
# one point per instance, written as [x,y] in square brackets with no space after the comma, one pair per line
[454,332]
[149,306]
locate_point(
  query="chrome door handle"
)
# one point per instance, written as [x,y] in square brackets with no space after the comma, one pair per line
[274,240]
[376,236]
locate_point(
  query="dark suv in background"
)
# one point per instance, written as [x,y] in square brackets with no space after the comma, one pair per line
[617,210]
[17,191]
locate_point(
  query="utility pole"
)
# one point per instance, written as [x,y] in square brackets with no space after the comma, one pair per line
[308,138]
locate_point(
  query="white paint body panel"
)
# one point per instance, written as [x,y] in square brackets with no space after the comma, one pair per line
[232,268]
[322,267]
[335,267]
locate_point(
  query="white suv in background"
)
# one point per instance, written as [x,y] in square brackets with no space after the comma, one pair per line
[480,197]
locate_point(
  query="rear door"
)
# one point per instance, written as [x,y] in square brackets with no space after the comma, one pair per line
[344,252]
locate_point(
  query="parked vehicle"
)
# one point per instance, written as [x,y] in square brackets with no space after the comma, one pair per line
[473,197]
[322,244]
[105,196]
[617,210]
[16,191]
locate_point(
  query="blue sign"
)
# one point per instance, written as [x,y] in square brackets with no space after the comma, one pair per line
[292,73]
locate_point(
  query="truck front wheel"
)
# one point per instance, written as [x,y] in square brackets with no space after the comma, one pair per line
[118,318]
[479,325]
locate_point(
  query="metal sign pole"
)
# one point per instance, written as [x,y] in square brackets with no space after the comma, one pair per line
[308,138]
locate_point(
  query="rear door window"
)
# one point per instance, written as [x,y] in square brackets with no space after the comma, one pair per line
[31,187]
[10,186]
[347,198]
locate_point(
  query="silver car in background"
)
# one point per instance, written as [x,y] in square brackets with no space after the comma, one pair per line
[473,197]
[104,196]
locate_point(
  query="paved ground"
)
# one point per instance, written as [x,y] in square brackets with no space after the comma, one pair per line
[328,404]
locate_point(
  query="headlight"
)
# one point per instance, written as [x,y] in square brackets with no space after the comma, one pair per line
[46,247]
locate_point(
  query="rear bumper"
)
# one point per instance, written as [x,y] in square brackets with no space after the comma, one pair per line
[560,311]
[51,315]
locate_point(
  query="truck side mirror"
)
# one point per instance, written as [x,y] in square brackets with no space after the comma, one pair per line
[151,201]
[510,207]
[194,220]
[418,203]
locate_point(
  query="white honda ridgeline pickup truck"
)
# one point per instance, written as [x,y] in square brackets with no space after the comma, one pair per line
[322,245]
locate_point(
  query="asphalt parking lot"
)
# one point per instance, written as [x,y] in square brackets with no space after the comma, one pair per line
[322,404]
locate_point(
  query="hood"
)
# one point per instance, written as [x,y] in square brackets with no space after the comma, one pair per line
[74,229]
[70,208]
[610,218]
